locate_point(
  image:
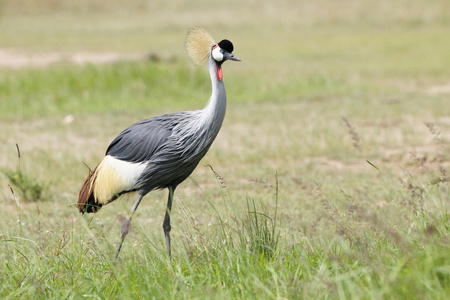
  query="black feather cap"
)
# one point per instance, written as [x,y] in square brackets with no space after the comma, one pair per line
[226,45]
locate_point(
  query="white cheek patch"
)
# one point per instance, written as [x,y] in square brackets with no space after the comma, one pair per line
[217,55]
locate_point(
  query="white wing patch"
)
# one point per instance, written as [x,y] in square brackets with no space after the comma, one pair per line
[114,176]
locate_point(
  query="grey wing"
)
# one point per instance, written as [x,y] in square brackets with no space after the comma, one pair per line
[139,142]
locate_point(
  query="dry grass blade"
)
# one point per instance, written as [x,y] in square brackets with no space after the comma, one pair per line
[437,135]
[354,134]
[222,182]
[18,150]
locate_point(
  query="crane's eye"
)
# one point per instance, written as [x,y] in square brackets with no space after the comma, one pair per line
[217,54]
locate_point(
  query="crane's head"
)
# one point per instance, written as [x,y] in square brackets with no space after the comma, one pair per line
[200,45]
[222,51]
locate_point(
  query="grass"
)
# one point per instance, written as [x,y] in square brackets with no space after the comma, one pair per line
[359,254]
[328,180]
[28,187]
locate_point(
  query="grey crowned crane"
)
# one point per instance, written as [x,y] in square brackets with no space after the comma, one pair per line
[161,152]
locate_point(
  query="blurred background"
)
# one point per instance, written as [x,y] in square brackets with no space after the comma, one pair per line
[323,85]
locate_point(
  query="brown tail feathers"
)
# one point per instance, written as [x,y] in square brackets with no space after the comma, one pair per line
[86,200]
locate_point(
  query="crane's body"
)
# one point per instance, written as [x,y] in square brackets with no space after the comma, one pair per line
[161,152]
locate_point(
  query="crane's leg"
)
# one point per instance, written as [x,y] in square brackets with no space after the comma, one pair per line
[166,224]
[125,226]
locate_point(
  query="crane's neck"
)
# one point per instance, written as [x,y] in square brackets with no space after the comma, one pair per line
[200,131]
[214,111]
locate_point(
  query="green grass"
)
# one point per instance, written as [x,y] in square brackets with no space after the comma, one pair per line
[329,178]
[359,255]
[122,86]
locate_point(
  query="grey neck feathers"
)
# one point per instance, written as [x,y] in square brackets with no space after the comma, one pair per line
[202,128]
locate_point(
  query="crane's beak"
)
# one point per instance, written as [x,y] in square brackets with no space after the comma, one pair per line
[230,56]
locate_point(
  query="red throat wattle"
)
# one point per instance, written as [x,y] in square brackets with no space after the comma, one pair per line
[219,73]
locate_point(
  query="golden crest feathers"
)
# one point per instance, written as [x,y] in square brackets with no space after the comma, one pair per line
[198,45]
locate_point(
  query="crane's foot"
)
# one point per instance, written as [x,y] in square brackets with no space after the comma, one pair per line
[167,234]
[124,229]
[119,246]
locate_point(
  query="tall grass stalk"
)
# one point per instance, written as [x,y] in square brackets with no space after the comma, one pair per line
[259,232]
[30,189]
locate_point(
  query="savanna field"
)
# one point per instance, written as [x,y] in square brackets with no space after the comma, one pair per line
[329,178]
